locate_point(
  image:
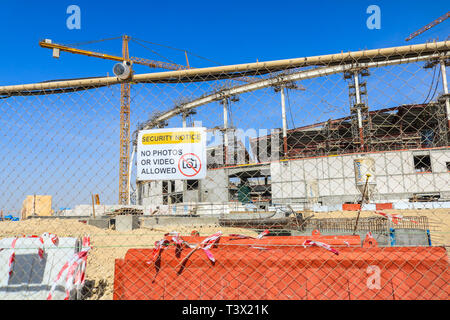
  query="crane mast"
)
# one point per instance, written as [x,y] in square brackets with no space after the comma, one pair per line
[125,101]
[428,26]
[125,91]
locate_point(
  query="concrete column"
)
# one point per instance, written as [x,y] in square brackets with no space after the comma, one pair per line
[283,117]
[183,115]
[184,120]
[138,193]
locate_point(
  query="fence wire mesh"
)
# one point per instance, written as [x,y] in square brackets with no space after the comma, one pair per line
[286,210]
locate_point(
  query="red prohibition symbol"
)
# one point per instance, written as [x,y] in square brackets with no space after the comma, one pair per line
[189,161]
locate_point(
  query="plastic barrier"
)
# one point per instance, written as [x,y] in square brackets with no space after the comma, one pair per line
[10,218]
[37,267]
[266,242]
[282,271]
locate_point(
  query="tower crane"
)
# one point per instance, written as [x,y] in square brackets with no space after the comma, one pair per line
[123,71]
[125,100]
[428,26]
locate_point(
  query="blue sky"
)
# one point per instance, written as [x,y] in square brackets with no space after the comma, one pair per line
[227,32]
[56,145]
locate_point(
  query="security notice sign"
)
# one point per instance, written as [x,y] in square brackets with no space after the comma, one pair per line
[171,154]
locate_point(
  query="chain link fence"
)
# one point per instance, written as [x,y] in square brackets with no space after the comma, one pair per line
[326,178]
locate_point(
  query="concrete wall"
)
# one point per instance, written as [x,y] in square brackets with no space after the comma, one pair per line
[396,177]
[220,209]
[214,188]
[329,180]
[150,222]
[85,210]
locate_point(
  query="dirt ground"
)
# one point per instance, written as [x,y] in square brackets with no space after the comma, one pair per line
[109,245]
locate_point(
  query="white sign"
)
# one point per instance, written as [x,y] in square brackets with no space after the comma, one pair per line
[171,154]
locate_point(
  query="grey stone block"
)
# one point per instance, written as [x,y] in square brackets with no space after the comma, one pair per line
[99,222]
[127,222]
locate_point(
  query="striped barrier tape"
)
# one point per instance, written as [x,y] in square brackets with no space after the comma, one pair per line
[76,265]
[320,244]
[241,236]
[81,272]
[209,242]
[159,246]
[12,257]
[262,234]
[72,265]
[394,218]
[205,245]
[53,237]
[76,268]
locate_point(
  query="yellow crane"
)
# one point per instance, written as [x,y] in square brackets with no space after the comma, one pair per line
[428,26]
[125,97]
[124,100]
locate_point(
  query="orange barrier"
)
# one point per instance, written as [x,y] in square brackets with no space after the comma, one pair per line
[383,206]
[281,272]
[351,207]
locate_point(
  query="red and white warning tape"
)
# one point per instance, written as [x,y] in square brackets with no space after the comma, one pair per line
[236,236]
[76,270]
[262,234]
[241,236]
[80,276]
[159,245]
[209,242]
[76,266]
[394,218]
[53,237]
[176,238]
[205,245]
[12,257]
[86,242]
[41,252]
[75,263]
[320,244]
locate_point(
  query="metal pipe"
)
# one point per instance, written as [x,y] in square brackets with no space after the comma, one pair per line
[350,57]
[444,84]
[225,128]
[361,203]
[283,116]
[130,166]
[412,51]
[93,206]
[279,80]
[358,109]
[357,92]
